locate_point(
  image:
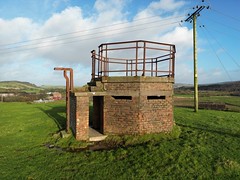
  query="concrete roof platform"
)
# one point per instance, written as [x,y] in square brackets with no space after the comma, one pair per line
[95,135]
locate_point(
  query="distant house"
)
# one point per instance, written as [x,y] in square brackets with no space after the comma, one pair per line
[5,94]
[56,96]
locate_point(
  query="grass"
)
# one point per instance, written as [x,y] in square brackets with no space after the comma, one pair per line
[187,100]
[232,100]
[206,147]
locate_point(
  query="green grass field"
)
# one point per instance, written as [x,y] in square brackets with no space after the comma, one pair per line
[187,100]
[208,147]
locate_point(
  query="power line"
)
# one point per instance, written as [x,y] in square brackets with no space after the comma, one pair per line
[222,47]
[85,39]
[74,32]
[226,15]
[214,52]
[209,3]
[81,31]
[224,33]
[97,37]
[223,24]
[79,36]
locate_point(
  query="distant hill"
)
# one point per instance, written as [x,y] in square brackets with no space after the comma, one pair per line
[233,87]
[26,87]
[179,85]
[18,86]
[52,87]
[225,86]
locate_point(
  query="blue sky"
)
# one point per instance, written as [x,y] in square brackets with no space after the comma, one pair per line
[29,54]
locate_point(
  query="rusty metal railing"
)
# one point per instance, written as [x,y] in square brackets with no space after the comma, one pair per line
[133,58]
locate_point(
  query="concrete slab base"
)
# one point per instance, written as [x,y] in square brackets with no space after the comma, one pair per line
[64,134]
[95,135]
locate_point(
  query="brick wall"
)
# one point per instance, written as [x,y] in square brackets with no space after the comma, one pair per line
[79,116]
[138,105]
[125,105]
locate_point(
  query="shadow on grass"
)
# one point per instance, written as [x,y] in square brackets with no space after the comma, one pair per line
[211,130]
[55,114]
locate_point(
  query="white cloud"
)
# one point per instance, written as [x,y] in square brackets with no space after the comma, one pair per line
[180,35]
[214,75]
[184,73]
[73,50]
[57,3]
[106,5]
[182,38]
[160,7]
[166,5]
[15,30]
[69,20]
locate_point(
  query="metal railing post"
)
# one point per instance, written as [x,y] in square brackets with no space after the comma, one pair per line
[136,65]
[144,58]
[156,68]
[93,63]
[105,62]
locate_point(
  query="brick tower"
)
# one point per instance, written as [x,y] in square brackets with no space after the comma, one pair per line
[131,88]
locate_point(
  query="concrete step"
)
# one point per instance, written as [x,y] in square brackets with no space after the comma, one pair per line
[95,135]
[96,86]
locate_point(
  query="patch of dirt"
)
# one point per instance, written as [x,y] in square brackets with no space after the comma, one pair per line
[97,146]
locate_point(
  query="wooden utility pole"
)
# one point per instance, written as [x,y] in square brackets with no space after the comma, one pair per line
[193,18]
[195,62]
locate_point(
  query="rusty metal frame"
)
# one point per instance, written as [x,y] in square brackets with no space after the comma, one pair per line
[137,65]
[69,88]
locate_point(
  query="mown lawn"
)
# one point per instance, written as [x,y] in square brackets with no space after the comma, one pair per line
[208,147]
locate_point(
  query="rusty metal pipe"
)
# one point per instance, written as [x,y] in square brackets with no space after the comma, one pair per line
[71,75]
[69,88]
[67,101]
[71,80]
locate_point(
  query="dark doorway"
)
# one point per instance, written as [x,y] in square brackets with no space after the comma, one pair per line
[97,116]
